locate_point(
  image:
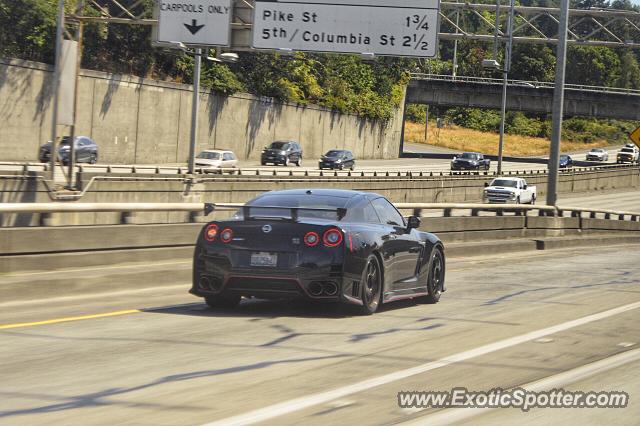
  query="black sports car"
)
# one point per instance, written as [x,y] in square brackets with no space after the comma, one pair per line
[321,245]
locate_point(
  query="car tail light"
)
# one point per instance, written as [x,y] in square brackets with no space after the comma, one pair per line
[311,239]
[332,237]
[211,232]
[226,235]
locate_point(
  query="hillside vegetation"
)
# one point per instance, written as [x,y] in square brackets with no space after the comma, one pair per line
[462,139]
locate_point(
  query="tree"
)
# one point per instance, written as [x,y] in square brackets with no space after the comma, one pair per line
[592,66]
[629,72]
[533,62]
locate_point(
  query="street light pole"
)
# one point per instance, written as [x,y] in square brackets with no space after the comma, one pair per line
[558,105]
[56,90]
[194,110]
[505,71]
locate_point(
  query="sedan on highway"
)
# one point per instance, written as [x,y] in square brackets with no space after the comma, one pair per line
[86,150]
[598,154]
[470,161]
[565,162]
[212,160]
[320,245]
[337,159]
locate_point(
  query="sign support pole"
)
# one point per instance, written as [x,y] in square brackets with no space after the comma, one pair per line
[558,105]
[56,89]
[194,110]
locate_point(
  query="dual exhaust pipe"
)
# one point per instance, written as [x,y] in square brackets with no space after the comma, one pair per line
[208,283]
[323,288]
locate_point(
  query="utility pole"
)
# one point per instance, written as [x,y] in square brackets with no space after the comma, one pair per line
[194,110]
[455,46]
[505,72]
[56,90]
[558,105]
[72,135]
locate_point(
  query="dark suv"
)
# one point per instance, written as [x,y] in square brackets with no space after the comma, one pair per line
[282,152]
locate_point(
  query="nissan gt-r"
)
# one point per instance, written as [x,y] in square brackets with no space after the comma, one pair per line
[320,245]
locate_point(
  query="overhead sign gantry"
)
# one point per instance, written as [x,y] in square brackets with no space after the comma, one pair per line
[379,27]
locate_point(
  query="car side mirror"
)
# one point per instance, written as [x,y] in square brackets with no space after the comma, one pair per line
[525,186]
[486,184]
[413,223]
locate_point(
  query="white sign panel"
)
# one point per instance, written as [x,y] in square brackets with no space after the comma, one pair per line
[197,22]
[382,27]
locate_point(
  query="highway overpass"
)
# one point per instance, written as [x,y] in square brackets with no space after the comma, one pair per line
[525,96]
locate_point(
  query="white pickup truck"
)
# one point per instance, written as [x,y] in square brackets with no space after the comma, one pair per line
[509,190]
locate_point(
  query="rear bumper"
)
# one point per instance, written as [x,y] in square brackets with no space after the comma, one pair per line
[213,275]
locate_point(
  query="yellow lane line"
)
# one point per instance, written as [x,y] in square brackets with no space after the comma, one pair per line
[68,319]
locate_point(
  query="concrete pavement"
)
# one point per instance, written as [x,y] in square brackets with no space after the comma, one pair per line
[181,363]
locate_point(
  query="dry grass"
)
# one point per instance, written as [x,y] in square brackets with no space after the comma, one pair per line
[461,139]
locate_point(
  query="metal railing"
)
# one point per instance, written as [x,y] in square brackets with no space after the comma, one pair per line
[522,83]
[202,209]
[26,168]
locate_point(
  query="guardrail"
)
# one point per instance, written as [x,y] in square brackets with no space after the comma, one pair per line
[27,168]
[203,209]
[522,83]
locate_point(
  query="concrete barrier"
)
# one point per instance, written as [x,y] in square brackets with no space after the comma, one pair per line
[49,248]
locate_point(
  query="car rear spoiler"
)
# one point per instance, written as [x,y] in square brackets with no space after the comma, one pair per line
[294,211]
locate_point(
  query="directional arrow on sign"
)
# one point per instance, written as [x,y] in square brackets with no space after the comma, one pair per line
[194,27]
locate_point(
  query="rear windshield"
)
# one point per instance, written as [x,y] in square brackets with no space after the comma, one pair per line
[505,182]
[469,156]
[300,201]
[209,155]
[279,145]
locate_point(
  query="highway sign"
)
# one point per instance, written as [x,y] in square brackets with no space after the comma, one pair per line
[635,136]
[381,27]
[196,22]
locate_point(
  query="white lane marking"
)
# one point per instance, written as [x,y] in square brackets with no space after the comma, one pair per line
[454,415]
[97,268]
[297,404]
[626,344]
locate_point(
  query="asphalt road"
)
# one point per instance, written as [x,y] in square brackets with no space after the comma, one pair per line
[160,357]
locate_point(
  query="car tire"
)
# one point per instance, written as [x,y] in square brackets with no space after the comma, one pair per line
[353,167]
[93,158]
[517,200]
[226,302]
[263,163]
[341,167]
[286,161]
[533,200]
[435,278]
[299,162]
[371,286]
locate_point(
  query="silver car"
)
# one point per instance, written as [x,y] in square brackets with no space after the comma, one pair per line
[598,154]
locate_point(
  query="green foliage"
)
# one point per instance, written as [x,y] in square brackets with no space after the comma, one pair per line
[592,66]
[574,129]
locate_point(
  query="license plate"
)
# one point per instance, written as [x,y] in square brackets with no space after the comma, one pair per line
[264,259]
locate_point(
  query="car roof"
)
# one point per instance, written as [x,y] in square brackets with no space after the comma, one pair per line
[471,152]
[219,151]
[324,192]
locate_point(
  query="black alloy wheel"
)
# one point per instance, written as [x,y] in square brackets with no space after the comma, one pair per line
[435,279]
[371,286]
